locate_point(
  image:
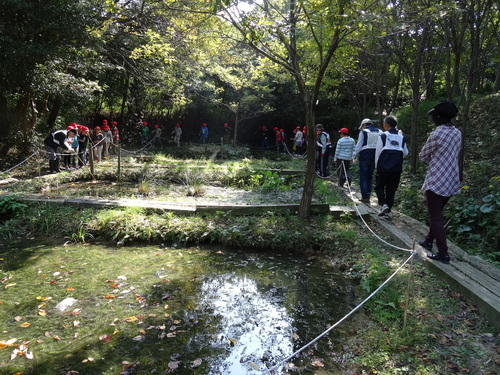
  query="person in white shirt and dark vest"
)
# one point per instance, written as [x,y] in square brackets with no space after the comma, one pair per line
[365,152]
[441,151]
[324,147]
[390,150]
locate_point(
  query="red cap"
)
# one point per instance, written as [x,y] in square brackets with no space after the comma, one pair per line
[72,126]
[114,123]
[82,128]
[178,125]
[275,128]
[281,130]
[105,127]
[144,123]
[97,128]
[344,131]
[104,122]
[226,124]
[204,124]
[156,126]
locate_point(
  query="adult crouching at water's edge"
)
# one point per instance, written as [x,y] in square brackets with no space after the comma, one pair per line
[53,142]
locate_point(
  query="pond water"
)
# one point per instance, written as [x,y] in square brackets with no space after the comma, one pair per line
[200,311]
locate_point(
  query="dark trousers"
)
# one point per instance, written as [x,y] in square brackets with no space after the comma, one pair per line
[366,168]
[437,231]
[386,184]
[323,161]
[344,173]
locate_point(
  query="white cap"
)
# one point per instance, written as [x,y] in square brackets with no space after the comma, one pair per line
[365,121]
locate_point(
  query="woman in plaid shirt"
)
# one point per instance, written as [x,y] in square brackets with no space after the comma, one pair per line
[441,151]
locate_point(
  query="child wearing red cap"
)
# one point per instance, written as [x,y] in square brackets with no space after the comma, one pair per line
[157,136]
[108,139]
[97,140]
[203,133]
[177,134]
[115,136]
[144,133]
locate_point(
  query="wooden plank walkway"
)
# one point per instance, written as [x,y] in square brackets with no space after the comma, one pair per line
[193,209]
[474,278]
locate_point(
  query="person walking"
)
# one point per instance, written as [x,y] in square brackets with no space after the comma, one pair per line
[177,134]
[144,133]
[108,138]
[343,156]
[389,153]
[157,136]
[203,133]
[115,133]
[324,150]
[441,151]
[97,142]
[365,152]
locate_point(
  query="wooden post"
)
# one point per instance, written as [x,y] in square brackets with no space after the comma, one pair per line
[91,158]
[408,286]
[119,150]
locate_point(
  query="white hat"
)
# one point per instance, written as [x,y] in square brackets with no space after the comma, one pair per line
[365,121]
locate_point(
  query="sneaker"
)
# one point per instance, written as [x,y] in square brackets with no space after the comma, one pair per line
[445,258]
[384,210]
[426,245]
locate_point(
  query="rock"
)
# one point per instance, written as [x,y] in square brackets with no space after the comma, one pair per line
[65,304]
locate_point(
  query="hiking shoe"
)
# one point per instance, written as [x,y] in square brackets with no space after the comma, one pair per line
[365,200]
[445,258]
[384,210]
[426,245]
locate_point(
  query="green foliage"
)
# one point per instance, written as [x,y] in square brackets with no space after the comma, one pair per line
[9,204]
[476,223]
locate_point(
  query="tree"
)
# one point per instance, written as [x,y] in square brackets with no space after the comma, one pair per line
[301,38]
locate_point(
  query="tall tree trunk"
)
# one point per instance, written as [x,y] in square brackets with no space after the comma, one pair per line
[54,111]
[121,119]
[236,119]
[306,200]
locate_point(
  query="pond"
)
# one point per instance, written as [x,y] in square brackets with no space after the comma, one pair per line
[172,310]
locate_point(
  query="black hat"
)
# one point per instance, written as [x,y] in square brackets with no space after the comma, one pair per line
[444,109]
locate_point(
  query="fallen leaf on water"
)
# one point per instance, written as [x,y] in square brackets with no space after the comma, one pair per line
[232,341]
[171,334]
[70,289]
[142,331]
[18,318]
[48,334]
[131,319]
[42,312]
[318,363]
[10,285]
[104,338]
[173,365]
[139,338]
[177,322]
[114,285]
[89,359]
[56,338]
[196,362]
[110,296]
[25,325]
[4,344]
[40,298]
[76,323]
[254,365]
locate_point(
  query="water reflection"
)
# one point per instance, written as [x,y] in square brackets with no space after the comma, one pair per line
[265,308]
[258,322]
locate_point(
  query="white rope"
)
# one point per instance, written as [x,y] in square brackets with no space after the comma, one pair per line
[363,220]
[24,161]
[268,371]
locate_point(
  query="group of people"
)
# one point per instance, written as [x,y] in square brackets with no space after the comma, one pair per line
[382,152]
[73,143]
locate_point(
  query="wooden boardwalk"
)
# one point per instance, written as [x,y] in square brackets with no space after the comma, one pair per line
[474,278]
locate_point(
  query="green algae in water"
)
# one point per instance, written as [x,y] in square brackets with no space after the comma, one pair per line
[151,310]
